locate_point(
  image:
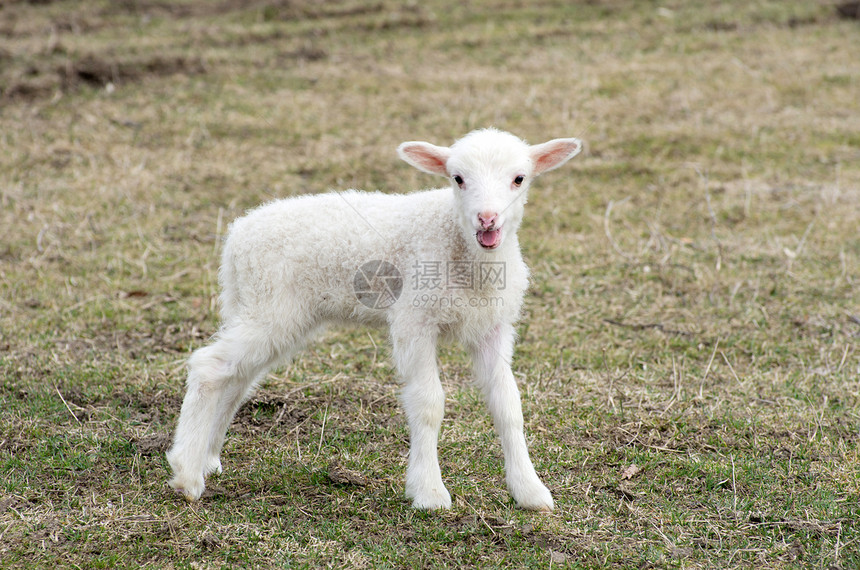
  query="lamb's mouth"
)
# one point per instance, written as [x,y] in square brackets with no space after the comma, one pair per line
[489,239]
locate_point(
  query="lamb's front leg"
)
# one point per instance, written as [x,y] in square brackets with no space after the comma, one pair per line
[492,363]
[424,403]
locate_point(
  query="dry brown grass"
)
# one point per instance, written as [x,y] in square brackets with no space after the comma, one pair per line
[694,308]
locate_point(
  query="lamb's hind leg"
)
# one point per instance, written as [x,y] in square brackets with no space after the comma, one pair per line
[220,377]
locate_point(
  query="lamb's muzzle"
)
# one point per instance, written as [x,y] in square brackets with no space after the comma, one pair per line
[487,220]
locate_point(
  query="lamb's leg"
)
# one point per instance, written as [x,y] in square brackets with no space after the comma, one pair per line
[424,403]
[492,363]
[220,377]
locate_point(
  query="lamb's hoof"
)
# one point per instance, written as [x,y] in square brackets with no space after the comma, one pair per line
[541,509]
[431,499]
[535,498]
[189,492]
[185,495]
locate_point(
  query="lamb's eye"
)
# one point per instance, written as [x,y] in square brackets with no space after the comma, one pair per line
[519,180]
[458,179]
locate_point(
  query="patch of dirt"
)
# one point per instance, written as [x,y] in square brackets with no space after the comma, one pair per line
[98,71]
[269,10]
[479,528]
[849,10]
[50,533]
[147,340]
[342,476]
[291,408]
[151,408]
[156,444]
[13,503]
[15,445]
[268,409]
[41,80]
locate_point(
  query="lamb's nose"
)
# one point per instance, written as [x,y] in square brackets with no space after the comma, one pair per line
[487,219]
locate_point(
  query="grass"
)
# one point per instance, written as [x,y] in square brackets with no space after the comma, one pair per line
[693,308]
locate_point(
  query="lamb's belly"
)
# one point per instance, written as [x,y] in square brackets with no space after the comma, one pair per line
[465,317]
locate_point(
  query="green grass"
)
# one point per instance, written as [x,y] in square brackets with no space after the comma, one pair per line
[693,309]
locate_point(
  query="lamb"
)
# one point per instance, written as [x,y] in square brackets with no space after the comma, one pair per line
[431,265]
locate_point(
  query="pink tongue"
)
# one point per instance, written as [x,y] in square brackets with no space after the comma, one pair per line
[490,238]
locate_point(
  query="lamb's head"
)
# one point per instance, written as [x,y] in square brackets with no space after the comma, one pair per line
[490,172]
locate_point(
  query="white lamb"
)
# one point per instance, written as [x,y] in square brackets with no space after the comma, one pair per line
[436,264]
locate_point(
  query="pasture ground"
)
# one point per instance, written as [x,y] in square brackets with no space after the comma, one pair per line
[689,355]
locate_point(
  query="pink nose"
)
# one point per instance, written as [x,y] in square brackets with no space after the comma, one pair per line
[487,219]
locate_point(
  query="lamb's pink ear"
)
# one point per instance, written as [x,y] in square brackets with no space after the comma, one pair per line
[425,156]
[554,153]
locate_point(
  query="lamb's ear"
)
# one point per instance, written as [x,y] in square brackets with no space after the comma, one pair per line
[425,156]
[554,153]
